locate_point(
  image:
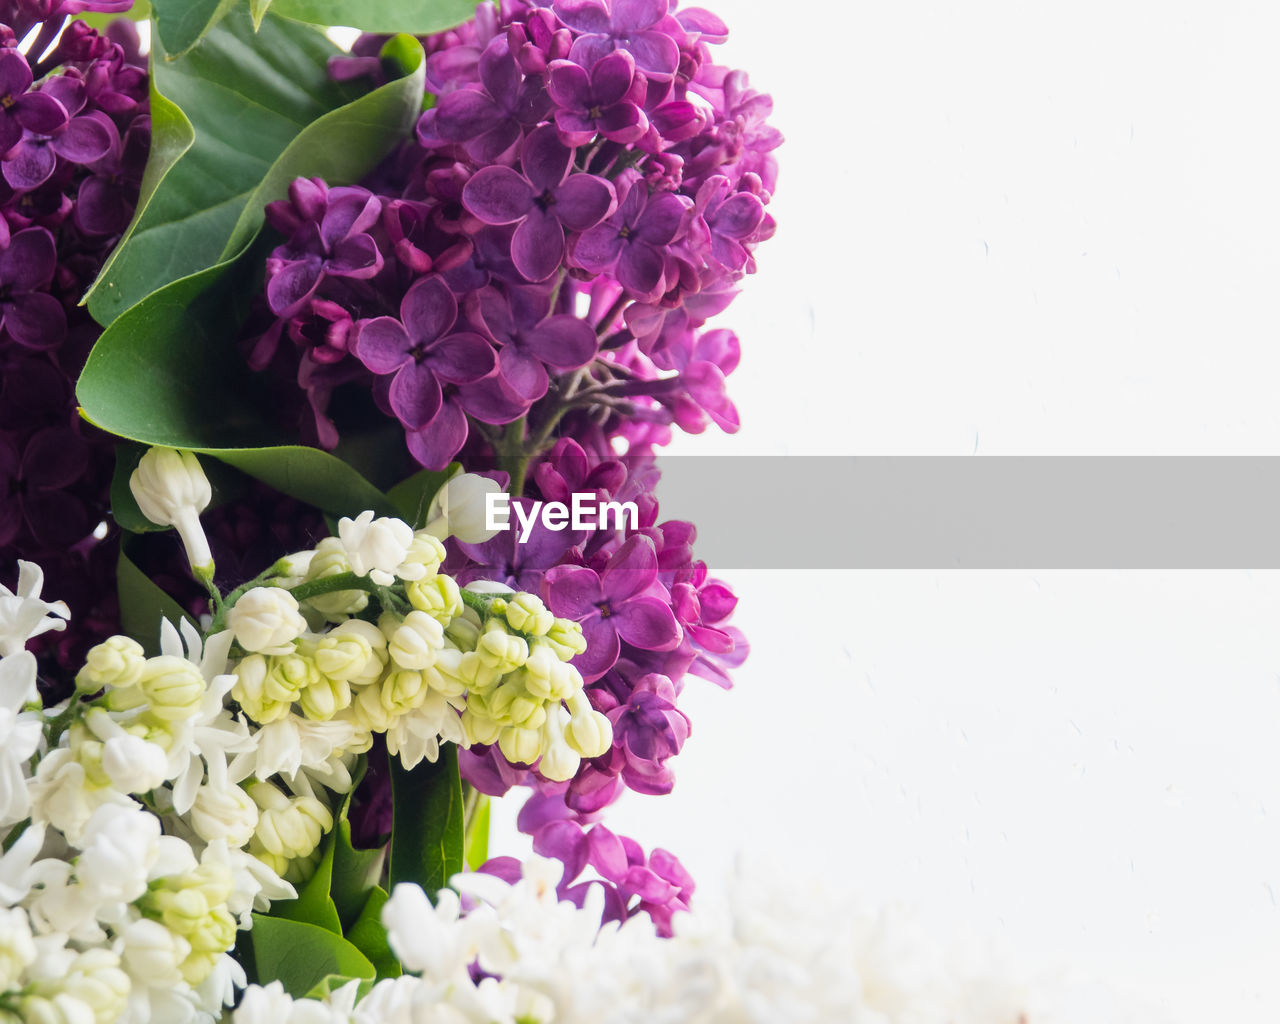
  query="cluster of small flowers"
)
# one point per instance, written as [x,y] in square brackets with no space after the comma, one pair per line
[516,955]
[584,194]
[74,135]
[123,879]
[651,616]
[428,663]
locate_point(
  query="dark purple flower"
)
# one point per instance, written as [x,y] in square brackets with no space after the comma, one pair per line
[597,102]
[543,202]
[633,242]
[728,220]
[333,245]
[616,605]
[531,340]
[81,140]
[106,198]
[627,24]
[22,110]
[32,317]
[33,487]
[491,120]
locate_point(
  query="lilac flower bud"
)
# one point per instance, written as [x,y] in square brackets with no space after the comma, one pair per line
[265,620]
[118,661]
[415,641]
[460,509]
[228,813]
[375,547]
[172,490]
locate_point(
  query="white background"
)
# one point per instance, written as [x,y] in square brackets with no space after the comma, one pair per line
[1011,229]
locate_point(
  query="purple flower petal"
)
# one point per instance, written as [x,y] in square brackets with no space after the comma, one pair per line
[489,401]
[598,249]
[30,164]
[537,247]
[563,342]
[630,569]
[603,648]
[572,591]
[435,445]
[623,122]
[357,257]
[349,212]
[569,85]
[575,129]
[466,113]
[29,260]
[583,201]
[40,113]
[293,284]
[428,310]
[461,358]
[656,54]
[640,268]
[608,855]
[35,320]
[497,195]
[648,623]
[582,15]
[415,395]
[545,159]
[611,78]
[500,73]
[524,374]
[662,219]
[565,841]
[85,139]
[382,344]
[54,458]
[15,74]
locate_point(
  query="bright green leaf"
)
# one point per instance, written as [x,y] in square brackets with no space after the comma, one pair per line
[246,97]
[140,11]
[416,17]
[143,605]
[258,8]
[314,905]
[478,834]
[300,955]
[355,873]
[427,822]
[412,497]
[180,24]
[368,936]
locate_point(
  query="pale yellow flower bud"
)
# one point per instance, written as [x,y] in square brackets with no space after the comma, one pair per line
[344,655]
[330,559]
[173,687]
[266,620]
[528,614]
[437,595]
[520,746]
[117,661]
[415,641]
[324,698]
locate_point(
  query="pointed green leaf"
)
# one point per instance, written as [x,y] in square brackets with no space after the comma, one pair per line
[181,24]
[140,11]
[355,874]
[258,8]
[412,497]
[427,822]
[416,17]
[478,834]
[368,936]
[143,605]
[245,96]
[300,956]
[314,905]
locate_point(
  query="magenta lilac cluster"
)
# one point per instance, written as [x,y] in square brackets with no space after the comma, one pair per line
[74,135]
[651,615]
[587,190]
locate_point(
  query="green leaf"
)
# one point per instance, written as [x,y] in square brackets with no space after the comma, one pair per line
[368,936]
[310,475]
[412,497]
[355,874]
[416,17]
[140,11]
[314,905]
[245,98]
[300,956]
[427,822]
[143,605]
[171,136]
[258,8]
[180,24]
[478,834]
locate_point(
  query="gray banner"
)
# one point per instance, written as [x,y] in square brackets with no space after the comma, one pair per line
[981,512]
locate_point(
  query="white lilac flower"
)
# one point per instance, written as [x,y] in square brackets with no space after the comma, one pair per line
[375,547]
[20,734]
[291,744]
[460,509]
[23,614]
[172,490]
[17,947]
[62,795]
[266,620]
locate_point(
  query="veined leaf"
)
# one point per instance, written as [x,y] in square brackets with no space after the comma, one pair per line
[181,24]
[143,605]
[427,822]
[300,956]
[416,17]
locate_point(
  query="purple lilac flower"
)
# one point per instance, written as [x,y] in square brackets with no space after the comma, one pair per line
[632,243]
[492,120]
[29,314]
[614,605]
[597,102]
[20,110]
[531,340]
[627,25]
[543,202]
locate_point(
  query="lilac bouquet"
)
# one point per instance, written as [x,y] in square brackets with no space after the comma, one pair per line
[284,327]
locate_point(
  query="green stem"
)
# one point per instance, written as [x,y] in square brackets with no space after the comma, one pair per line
[330,584]
[481,602]
[513,456]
